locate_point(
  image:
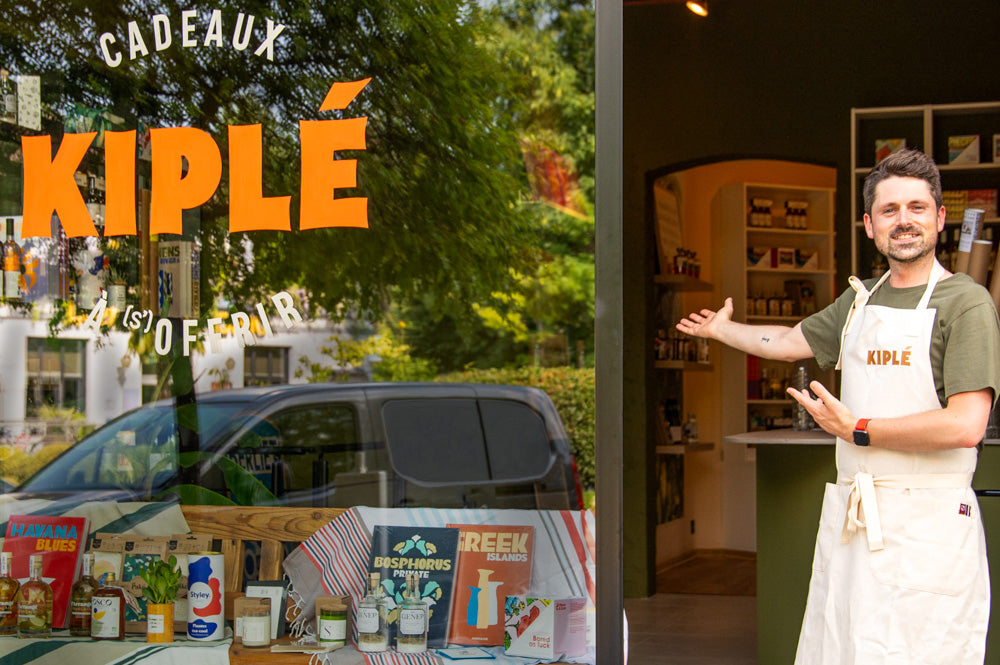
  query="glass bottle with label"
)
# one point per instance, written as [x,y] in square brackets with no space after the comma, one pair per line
[11,264]
[8,98]
[34,603]
[79,599]
[8,595]
[412,632]
[107,611]
[372,633]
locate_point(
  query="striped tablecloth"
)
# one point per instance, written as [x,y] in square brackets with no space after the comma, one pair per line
[61,649]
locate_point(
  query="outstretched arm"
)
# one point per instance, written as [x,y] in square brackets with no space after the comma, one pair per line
[773,342]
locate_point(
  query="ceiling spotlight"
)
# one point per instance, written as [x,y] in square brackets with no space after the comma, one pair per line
[699,7]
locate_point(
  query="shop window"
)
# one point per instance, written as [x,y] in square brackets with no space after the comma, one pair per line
[55,375]
[265,366]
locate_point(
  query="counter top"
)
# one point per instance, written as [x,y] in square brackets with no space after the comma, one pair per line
[816,437]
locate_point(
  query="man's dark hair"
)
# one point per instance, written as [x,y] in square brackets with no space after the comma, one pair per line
[909,163]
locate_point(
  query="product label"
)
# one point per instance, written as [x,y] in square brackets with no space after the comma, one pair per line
[333,630]
[367,620]
[105,613]
[412,622]
[256,630]
[155,624]
[5,607]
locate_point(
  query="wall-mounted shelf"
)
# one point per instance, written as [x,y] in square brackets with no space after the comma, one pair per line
[683,365]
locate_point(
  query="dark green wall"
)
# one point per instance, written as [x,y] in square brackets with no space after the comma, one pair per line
[767,78]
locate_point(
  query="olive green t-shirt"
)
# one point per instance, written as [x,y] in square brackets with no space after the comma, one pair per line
[965,344]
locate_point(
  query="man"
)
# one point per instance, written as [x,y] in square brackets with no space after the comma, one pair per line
[900,572]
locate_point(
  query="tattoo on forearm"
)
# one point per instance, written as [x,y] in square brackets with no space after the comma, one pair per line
[765,340]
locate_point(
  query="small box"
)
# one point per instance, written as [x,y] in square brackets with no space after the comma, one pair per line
[963,149]
[807,259]
[760,257]
[885,147]
[545,628]
[786,257]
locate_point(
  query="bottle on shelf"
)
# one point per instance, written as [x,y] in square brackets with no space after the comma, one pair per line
[413,619]
[11,264]
[8,98]
[372,633]
[95,201]
[689,432]
[107,608]
[34,603]
[80,597]
[8,595]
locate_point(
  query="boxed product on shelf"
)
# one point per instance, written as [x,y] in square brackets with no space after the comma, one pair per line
[807,259]
[984,199]
[760,257]
[803,293]
[885,147]
[963,149]
[786,257]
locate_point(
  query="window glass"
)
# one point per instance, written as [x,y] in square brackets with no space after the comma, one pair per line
[264,366]
[54,371]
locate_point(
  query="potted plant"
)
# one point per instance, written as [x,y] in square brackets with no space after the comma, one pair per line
[162,578]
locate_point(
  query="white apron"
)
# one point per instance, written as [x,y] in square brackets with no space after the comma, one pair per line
[899,572]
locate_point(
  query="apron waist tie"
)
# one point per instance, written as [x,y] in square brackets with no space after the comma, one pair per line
[862,507]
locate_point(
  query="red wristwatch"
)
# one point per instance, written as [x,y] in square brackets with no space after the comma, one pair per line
[861,432]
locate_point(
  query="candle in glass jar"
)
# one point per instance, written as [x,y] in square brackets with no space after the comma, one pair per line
[257,627]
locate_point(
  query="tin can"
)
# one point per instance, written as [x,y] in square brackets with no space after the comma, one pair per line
[206,597]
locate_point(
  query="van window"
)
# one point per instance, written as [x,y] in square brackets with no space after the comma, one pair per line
[465,441]
[436,441]
[298,449]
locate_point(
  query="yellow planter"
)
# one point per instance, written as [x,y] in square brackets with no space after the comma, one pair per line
[159,622]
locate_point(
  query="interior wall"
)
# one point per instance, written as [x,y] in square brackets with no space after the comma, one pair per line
[768,78]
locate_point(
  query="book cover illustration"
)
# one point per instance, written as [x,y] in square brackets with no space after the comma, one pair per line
[430,552]
[61,542]
[493,562]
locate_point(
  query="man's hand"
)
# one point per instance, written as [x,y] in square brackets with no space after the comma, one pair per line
[707,322]
[828,411]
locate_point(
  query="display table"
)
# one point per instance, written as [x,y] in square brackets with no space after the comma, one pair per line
[792,471]
[61,649]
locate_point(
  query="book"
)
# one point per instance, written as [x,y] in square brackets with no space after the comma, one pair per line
[493,562]
[61,540]
[432,553]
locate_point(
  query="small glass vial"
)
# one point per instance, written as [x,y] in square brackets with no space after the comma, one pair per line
[34,603]
[79,599]
[107,611]
[257,626]
[413,619]
[8,595]
[332,626]
[372,633]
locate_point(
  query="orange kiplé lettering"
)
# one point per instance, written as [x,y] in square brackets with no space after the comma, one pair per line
[322,174]
[119,182]
[49,186]
[174,191]
[249,209]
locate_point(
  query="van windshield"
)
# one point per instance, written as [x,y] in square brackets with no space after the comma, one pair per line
[136,452]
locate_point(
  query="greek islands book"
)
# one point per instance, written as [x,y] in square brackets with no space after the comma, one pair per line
[61,541]
[494,562]
[429,552]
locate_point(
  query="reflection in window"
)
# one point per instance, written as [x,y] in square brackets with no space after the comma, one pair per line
[265,365]
[55,374]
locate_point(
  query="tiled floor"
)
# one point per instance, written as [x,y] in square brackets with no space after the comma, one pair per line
[692,629]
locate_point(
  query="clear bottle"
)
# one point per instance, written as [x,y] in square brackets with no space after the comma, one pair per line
[413,619]
[11,264]
[372,633]
[8,98]
[107,609]
[80,597]
[8,595]
[801,420]
[34,603]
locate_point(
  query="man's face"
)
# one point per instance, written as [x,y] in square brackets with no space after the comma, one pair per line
[904,222]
